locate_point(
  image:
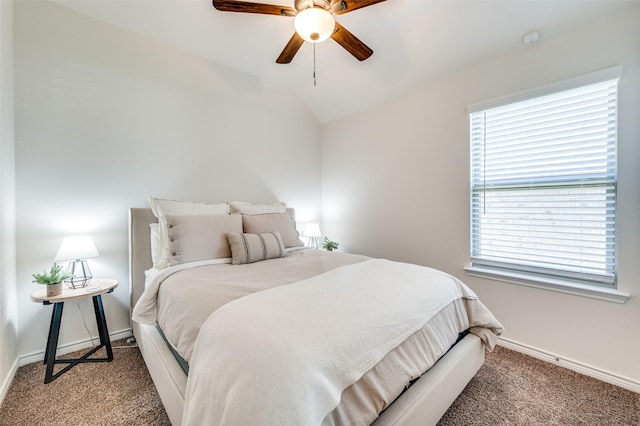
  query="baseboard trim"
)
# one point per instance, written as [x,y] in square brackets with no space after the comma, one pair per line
[7,380]
[578,367]
[72,347]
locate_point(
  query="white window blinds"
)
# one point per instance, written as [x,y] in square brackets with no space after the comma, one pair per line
[543,185]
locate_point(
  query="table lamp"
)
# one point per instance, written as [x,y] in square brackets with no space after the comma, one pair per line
[312,231]
[76,250]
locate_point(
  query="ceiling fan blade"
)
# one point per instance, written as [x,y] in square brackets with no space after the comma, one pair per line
[351,43]
[250,7]
[290,49]
[340,7]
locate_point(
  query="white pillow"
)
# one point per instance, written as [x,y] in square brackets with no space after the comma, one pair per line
[162,207]
[200,237]
[155,243]
[249,208]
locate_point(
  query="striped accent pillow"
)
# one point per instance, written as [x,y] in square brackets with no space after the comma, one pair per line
[249,248]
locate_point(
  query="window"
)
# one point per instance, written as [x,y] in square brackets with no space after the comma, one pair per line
[543,185]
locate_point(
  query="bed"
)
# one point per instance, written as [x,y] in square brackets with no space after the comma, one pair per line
[201,384]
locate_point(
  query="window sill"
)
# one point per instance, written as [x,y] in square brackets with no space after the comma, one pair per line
[561,286]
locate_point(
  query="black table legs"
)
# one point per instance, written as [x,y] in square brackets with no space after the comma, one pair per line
[102,326]
[52,342]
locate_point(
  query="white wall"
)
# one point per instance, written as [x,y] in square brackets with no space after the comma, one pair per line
[8,313]
[396,185]
[106,118]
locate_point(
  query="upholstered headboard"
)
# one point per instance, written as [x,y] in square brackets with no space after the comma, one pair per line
[139,249]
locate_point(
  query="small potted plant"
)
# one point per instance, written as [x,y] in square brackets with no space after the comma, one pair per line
[329,245]
[52,279]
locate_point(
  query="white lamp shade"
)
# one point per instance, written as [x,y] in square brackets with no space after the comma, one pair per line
[312,230]
[76,248]
[314,24]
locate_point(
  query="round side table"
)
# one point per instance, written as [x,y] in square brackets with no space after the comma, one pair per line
[94,289]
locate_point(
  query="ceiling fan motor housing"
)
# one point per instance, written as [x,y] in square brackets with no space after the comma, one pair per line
[301,5]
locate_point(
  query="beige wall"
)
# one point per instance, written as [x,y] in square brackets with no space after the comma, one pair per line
[106,118]
[8,313]
[396,185]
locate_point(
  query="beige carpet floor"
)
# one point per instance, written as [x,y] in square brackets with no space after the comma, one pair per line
[510,389]
[516,389]
[119,392]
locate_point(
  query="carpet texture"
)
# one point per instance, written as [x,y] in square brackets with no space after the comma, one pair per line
[516,389]
[509,389]
[119,392]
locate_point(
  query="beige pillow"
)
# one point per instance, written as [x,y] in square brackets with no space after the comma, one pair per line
[200,237]
[281,222]
[162,207]
[249,248]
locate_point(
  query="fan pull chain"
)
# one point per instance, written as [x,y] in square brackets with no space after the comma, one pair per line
[314,64]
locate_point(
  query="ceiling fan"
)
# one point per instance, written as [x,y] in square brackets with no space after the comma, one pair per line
[314,22]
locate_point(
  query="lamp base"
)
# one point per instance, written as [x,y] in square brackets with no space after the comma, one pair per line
[313,243]
[80,280]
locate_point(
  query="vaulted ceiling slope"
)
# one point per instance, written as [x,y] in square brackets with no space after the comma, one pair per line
[413,40]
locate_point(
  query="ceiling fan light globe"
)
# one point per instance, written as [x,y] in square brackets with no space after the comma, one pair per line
[314,24]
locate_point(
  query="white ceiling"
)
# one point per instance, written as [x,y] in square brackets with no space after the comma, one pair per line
[413,40]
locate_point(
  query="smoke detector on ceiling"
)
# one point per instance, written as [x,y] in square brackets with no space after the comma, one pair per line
[531,37]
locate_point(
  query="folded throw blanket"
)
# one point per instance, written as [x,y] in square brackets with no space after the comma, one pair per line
[283,356]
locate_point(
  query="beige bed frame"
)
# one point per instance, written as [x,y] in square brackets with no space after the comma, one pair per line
[422,404]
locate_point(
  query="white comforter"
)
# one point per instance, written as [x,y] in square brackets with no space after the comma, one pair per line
[284,355]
